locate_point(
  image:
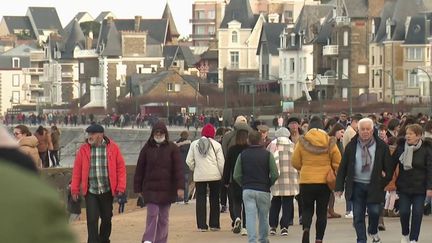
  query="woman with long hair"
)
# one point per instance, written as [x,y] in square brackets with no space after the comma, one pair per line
[55,139]
[28,143]
[44,144]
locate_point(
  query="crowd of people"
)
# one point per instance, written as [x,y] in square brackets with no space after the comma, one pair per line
[381,164]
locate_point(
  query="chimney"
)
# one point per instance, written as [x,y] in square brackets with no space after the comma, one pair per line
[110,20]
[137,23]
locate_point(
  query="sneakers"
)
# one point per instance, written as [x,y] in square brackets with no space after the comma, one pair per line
[243,231]
[375,238]
[349,215]
[202,230]
[284,232]
[214,229]
[237,226]
[405,239]
[223,209]
[272,231]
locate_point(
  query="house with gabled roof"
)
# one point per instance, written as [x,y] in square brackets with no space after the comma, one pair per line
[44,21]
[19,26]
[393,53]
[104,15]
[80,17]
[180,58]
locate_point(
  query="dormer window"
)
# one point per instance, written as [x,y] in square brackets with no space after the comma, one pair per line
[234,37]
[389,28]
[15,62]
[292,39]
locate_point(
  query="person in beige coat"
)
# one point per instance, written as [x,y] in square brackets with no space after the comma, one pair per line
[27,143]
[45,144]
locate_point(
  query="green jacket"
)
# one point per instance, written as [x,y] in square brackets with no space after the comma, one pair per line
[30,210]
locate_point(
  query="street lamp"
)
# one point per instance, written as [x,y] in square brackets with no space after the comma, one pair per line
[414,72]
[393,98]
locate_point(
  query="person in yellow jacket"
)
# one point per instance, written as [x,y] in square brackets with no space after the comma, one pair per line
[314,155]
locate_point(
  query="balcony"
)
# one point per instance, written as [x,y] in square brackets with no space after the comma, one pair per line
[67,74]
[330,50]
[342,20]
[35,87]
[202,21]
[209,36]
[326,80]
[33,71]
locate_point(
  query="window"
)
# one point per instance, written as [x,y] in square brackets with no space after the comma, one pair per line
[362,69]
[284,65]
[177,88]
[345,68]
[140,68]
[234,37]
[16,80]
[344,93]
[170,86]
[81,68]
[15,62]
[199,30]
[292,39]
[415,53]
[413,81]
[15,97]
[373,56]
[200,14]
[291,65]
[345,38]
[211,30]
[234,59]
[211,14]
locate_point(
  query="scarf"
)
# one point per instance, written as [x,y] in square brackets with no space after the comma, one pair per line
[407,155]
[365,155]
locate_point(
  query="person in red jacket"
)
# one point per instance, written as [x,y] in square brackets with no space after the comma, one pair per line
[160,180]
[100,170]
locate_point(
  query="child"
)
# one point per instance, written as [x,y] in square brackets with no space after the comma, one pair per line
[73,207]
[122,200]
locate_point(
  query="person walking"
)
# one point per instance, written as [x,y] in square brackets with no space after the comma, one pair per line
[28,144]
[55,139]
[414,182]
[365,170]
[184,144]
[314,156]
[205,158]
[286,186]
[159,179]
[44,145]
[256,172]
[100,171]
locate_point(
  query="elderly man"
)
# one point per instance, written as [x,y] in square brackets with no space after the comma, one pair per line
[100,168]
[365,170]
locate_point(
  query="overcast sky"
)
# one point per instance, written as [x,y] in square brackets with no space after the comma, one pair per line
[67,9]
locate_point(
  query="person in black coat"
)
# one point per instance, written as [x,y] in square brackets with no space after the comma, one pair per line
[414,157]
[366,168]
[184,144]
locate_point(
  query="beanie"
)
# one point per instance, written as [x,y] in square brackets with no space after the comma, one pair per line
[208,131]
[241,119]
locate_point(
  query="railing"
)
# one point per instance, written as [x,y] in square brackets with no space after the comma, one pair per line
[342,20]
[67,74]
[203,36]
[330,50]
[33,71]
[204,21]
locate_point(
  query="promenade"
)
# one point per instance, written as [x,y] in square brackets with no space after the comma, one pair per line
[129,227]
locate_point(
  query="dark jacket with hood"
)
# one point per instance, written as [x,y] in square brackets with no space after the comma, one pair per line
[159,170]
[229,139]
[382,163]
[419,178]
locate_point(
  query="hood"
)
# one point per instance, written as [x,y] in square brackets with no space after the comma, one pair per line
[203,145]
[317,141]
[6,140]
[158,126]
[242,126]
[283,141]
[30,141]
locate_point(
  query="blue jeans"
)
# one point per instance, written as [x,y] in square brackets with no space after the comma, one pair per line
[405,202]
[257,203]
[359,201]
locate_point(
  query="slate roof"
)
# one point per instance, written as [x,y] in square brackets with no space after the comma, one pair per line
[18,22]
[311,15]
[210,54]
[101,17]
[148,81]
[74,38]
[386,13]
[175,52]
[418,31]
[168,15]
[110,33]
[325,30]
[78,17]
[22,51]
[403,9]
[241,11]
[356,8]
[45,18]
[271,33]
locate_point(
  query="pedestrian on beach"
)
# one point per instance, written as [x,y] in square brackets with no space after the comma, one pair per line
[256,172]
[315,154]
[414,182]
[44,145]
[100,171]
[365,170]
[206,160]
[28,144]
[159,179]
[184,144]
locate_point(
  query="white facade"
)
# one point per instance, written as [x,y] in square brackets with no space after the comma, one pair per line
[11,90]
[294,67]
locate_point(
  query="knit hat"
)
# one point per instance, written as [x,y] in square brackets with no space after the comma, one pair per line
[241,119]
[208,131]
[282,132]
[95,128]
[293,119]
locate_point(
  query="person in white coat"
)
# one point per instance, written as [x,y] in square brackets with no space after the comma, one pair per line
[205,158]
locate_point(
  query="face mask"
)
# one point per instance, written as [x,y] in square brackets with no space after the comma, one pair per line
[159,139]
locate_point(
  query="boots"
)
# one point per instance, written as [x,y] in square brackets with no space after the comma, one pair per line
[332,214]
[305,238]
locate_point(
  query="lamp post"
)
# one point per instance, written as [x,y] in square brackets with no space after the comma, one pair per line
[414,72]
[393,98]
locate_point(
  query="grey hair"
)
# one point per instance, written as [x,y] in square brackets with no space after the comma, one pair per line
[365,121]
